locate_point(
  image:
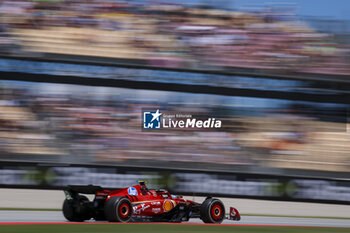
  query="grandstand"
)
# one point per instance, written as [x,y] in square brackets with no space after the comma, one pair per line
[66,123]
[197,49]
[174,36]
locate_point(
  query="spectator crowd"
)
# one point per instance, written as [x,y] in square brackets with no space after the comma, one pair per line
[80,124]
[174,35]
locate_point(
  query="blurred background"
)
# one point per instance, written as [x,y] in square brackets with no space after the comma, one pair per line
[278,36]
[276,74]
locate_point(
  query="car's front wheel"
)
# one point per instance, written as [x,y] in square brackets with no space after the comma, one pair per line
[212,211]
[118,209]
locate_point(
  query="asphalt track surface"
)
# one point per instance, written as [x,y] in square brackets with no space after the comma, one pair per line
[57,217]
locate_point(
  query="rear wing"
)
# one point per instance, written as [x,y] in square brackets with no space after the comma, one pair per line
[85,189]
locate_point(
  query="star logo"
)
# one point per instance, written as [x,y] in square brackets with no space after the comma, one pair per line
[152,119]
[156,115]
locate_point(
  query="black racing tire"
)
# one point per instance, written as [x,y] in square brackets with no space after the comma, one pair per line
[70,213]
[212,211]
[118,209]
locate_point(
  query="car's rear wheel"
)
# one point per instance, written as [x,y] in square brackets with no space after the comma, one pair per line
[118,209]
[212,211]
[73,210]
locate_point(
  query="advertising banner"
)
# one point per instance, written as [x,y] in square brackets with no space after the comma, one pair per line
[199,183]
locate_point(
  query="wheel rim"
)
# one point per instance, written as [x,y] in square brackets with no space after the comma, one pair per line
[216,212]
[124,210]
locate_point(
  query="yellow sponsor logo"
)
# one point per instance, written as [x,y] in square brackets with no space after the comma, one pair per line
[167,206]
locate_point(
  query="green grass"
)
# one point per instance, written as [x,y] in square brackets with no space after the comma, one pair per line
[166,228]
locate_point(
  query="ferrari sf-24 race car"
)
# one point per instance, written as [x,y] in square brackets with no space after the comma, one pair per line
[140,204]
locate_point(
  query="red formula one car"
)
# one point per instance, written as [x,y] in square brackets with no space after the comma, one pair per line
[140,204]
